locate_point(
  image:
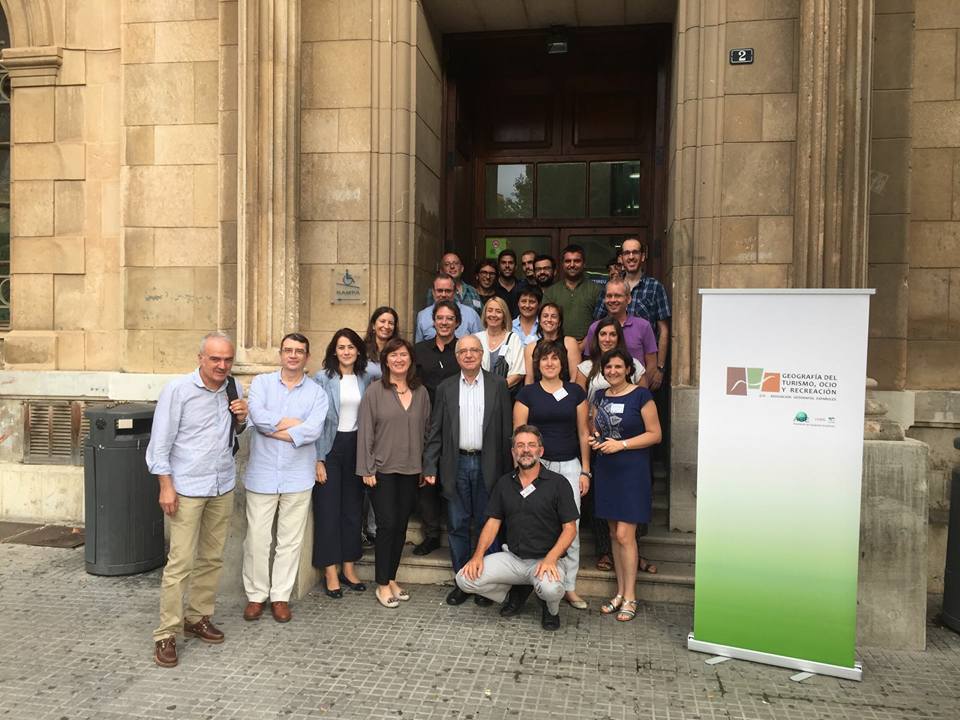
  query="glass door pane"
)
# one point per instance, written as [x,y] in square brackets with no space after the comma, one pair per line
[494,244]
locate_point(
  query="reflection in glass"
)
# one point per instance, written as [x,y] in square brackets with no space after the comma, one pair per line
[614,189]
[540,244]
[509,191]
[561,190]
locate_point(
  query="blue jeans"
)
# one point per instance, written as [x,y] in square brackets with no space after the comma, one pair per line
[469,502]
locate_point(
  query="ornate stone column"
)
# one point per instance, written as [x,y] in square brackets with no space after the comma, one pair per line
[833,136]
[268,177]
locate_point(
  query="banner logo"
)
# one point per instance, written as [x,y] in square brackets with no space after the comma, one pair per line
[741,381]
[761,382]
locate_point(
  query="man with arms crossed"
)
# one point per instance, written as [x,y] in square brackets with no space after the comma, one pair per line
[468,442]
[541,522]
[288,410]
[191,453]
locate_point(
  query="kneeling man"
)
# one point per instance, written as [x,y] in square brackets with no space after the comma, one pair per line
[541,521]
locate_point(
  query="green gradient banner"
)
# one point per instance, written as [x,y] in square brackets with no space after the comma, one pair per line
[780,453]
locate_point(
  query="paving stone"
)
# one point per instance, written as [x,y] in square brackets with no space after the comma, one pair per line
[78,646]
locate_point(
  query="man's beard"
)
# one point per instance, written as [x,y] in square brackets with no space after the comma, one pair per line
[527,461]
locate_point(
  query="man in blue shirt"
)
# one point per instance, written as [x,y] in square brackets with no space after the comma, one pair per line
[443,289]
[191,453]
[288,412]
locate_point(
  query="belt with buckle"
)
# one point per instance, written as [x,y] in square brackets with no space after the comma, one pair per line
[469,452]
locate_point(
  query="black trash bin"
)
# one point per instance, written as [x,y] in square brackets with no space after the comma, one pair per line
[124,522]
[951,574]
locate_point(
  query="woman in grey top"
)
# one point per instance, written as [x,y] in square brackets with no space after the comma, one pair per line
[393,420]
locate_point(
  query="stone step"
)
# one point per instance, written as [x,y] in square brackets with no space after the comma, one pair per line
[658,545]
[672,583]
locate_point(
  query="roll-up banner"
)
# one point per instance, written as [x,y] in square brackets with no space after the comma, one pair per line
[780,454]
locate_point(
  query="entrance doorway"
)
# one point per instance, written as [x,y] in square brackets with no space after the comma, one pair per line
[556,137]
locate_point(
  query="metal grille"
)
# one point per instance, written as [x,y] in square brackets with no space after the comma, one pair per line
[55,431]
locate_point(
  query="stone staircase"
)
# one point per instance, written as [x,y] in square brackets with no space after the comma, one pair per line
[672,552]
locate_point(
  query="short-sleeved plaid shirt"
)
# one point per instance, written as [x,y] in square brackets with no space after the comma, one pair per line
[648,300]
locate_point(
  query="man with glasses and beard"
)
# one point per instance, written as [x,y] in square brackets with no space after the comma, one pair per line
[540,515]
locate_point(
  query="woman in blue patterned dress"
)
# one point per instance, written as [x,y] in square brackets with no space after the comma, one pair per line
[626,426]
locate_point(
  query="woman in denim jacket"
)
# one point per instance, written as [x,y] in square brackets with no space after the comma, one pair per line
[338,493]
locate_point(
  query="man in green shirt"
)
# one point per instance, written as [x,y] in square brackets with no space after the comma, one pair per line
[574,293]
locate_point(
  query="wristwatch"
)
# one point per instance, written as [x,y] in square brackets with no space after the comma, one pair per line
[588,474]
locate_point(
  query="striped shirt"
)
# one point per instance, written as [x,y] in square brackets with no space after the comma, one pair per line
[471,413]
[190,439]
[648,300]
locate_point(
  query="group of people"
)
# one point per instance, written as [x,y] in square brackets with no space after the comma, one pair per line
[501,412]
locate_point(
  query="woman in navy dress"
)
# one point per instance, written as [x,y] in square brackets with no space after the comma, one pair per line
[626,426]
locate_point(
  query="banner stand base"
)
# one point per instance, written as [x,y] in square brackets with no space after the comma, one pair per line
[845,673]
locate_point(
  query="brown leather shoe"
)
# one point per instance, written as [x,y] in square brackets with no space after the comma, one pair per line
[281,611]
[253,611]
[204,629]
[165,652]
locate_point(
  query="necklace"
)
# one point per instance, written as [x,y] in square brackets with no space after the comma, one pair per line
[622,391]
[402,392]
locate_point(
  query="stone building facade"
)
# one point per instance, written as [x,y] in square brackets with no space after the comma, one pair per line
[180,165]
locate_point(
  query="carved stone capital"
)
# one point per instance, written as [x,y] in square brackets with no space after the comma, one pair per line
[32,66]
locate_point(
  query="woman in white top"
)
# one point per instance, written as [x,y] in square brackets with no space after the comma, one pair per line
[499,340]
[588,376]
[338,493]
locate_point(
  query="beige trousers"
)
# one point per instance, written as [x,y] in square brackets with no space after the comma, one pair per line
[291,511]
[198,532]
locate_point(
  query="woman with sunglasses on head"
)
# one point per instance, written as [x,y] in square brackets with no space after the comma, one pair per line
[559,409]
[550,327]
[626,425]
[502,348]
[609,335]
[394,414]
[338,493]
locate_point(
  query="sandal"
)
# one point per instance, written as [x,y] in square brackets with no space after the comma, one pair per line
[604,562]
[612,605]
[644,566]
[629,611]
[390,602]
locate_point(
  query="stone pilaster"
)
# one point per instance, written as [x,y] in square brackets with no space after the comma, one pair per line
[268,176]
[833,140]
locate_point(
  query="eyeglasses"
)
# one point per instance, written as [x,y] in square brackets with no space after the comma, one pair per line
[299,352]
[469,351]
[631,252]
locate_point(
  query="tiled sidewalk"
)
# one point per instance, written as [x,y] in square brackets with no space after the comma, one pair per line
[78,646]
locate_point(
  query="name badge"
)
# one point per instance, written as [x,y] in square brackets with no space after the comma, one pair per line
[616,408]
[560,394]
[528,490]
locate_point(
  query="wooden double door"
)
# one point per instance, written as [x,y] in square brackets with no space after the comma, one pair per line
[544,150]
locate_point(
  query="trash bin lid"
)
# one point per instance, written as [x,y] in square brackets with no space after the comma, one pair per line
[134,411]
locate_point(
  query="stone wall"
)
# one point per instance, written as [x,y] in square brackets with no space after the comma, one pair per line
[171,188]
[65,234]
[370,157]
[890,196]
[933,344]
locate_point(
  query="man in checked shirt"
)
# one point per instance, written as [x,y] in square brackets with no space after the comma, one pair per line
[191,453]
[648,300]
